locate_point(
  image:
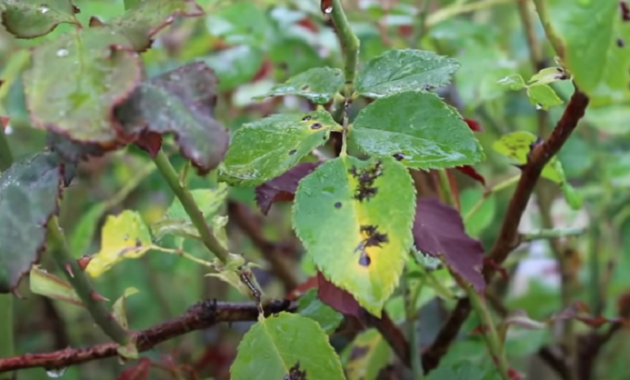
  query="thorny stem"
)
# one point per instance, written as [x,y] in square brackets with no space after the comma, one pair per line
[79,280]
[490,333]
[349,45]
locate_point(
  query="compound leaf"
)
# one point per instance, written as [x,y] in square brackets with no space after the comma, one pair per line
[418,129]
[293,347]
[404,70]
[32,18]
[76,80]
[318,85]
[354,218]
[267,148]
[180,101]
[29,191]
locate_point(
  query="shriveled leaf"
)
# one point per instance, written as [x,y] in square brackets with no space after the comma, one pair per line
[282,188]
[293,346]
[72,151]
[51,286]
[366,356]
[177,222]
[180,101]
[338,299]
[76,80]
[29,191]
[138,371]
[124,236]
[267,148]
[514,82]
[543,96]
[438,230]
[33,18]
[517,146]
[404,70]
[463,370]
[146,18]
[318,85]
[312,307]
[418,129]
[354,218]
[120,307]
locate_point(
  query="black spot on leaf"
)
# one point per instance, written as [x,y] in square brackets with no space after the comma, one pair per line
[358,352]
[364,260]
[306,118]
[625,10]
[337,204]
[292,151]
[399,156]
[620,43]
[295,373]
[366,178]
[316,126]
[304,88]
[371,238]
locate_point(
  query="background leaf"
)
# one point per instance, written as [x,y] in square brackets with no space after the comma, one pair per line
[29,191]
[354,219]
[282,340]
[283,187]
[366,356]
[32,18]
[267,148]
[318,85]
[463,370]
[404,70]
[418,129]
[312,307]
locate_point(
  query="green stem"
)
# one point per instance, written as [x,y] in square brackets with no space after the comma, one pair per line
[411,296]
[349,45]
[555,233]
[490,332]
[496,188]
[167,170]
[6,300]
[445,188]
[79,280]
[459,8]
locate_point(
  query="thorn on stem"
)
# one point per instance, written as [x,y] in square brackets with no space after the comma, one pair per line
[68,269]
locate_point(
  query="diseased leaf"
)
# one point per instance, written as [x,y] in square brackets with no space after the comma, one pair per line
[293,345]
[282,188]
[397,71]
[76,80]
[366,356]
[312,307]
[120,307]
[29,191]
[354,218]
[548,75]
[33,18]
[51,286]
[335,297]
[438,230]
[418,129]
[72,151]
[318,85]
[180,101]
[267,148]
[124,236]
[543,96]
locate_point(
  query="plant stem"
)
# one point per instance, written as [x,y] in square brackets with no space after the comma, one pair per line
[498,187]
[445,188]
[490,332]
[551,234]
[349,45]
[79,280]
[411,297]
[457,9]
[6,300]
[190,206]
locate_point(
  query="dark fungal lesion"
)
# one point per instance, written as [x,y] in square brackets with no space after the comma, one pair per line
[371,238]
[366,178]
[295,373]
[292,151]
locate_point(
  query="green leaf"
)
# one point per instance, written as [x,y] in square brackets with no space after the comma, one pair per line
[86,227]
[235,65]
[266,148]
[548,75]
[241,22]
[75,81]
[32,18]
[517,146]
[589,37]
[514,82]
[124,236]
[293,347]
[481,219]
[119,310]
[354,218]
[318,85]
[180,101]
[29,191]
[418,129]
[145,18]
[311,307]
[366,356]
[51,286]
[404,70]
[463,370]
[543,96]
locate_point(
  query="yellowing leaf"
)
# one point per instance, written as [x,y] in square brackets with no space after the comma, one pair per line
[124,236]
[119,308]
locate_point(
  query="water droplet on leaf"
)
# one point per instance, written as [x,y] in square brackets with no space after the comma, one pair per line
[43,9]
[55,373]
[62,53]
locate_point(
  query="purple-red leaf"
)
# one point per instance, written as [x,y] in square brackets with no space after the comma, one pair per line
[138,371]
[150,142]
[472,173]
[283,187]
[337,298]
[438,230]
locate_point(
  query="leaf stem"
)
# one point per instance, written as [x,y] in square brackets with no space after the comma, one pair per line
[79,280]
[411,296]
[445,188]
[349,45]
[6,300]
[459,8]
[495,346]
[544,234]
[496,188]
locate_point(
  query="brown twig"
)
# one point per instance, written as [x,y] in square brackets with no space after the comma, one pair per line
[200,316]
[246,221]
[391,333]
[507,240]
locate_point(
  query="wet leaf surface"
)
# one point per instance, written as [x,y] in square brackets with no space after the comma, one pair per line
[354,218]
[318,85]
[29,191]
[282,188]
[32,18]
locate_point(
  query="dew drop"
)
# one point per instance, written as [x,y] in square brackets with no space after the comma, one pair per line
[55,373]
[538,106]
[62,53]
[43,9]
[328,10]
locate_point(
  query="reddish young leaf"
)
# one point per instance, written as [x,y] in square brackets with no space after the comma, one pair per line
[264,70]
[150,142]
[472,173]
[474,125]
[138,371]
[308,24]
[405,30]
[283,187]
[337,298]
[438,230]
[302,288]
